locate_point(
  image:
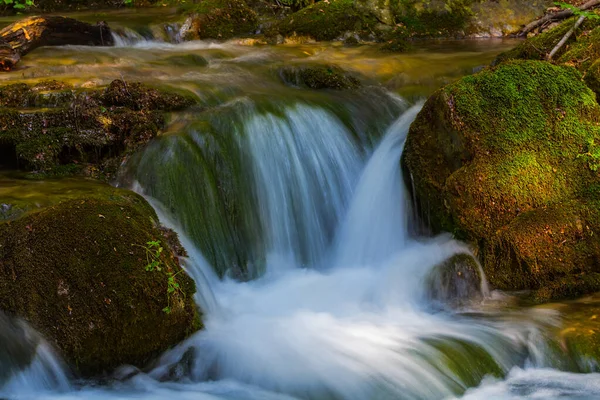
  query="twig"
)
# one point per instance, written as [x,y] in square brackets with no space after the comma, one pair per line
[565,37]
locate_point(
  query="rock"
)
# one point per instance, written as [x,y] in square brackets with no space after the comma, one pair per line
[51,125]
[577,334]
[318,77]
[219,19]
[581,51]
[456,282]
[78,272]
[329,20]
[508,160]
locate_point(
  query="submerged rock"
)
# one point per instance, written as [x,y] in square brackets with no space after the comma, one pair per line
[79,272]
[508,160]
[456,282]
[318,77]
[49,125]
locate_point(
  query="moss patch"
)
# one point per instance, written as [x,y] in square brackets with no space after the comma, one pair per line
[49,126]
[76,271]
[219,19]
[325,21]
[318,77]
[501,158]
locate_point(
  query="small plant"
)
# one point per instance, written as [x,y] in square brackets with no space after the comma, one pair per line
[19,4]
[576,11]
[153,252]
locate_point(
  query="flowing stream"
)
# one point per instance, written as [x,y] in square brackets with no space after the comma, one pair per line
[299,230]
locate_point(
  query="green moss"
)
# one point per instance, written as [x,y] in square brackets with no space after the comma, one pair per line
[463,363]
[220,19]
[318,77]
[89,127]
[325,21]
[503,157]
[425,20]
[76,271]
[581,51]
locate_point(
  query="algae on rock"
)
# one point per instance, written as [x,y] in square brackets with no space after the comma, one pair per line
[75,271]
[50,124]
[505,159]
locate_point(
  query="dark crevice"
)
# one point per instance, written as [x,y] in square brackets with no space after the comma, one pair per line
[8,157]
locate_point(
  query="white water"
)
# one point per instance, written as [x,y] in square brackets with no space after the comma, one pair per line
[359,329]
[305,167]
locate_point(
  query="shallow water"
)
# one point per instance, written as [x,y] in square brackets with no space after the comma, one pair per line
[302,192]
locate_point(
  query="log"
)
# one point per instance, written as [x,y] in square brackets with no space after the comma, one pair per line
[33,32]
[8,57]
[556,17]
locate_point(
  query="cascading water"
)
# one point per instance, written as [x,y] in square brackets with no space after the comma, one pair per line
[357,329]
[286,190]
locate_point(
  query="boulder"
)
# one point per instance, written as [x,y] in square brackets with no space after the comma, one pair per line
[92,272]
[456,282]
[508,159]
[318,77]
[581,51]
[219,19]
[50,125]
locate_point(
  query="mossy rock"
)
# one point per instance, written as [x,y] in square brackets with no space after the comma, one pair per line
[325,21]
[219,19]
[581,51]
[318,77]
[578,334]
[456,282]
[77,272]
[49,125]
[507,159]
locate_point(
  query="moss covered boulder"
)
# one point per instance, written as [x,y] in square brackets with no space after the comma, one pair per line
[456,282]
[219,19]
[82,273]
[326,21]
[50,124]
[508,159]
[581,51]
[318,77]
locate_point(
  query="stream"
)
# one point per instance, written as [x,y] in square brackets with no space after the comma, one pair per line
[312,275]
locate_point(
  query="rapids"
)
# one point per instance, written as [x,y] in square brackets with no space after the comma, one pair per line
[299,230]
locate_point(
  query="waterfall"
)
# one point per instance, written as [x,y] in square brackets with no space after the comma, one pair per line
[304,168]
[28,364]
[359,329]
[376,225]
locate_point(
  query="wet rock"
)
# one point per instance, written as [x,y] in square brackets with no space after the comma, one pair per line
[51,125]
[507,159]
[456,282]
[219,19]
[318,77]
[77,271]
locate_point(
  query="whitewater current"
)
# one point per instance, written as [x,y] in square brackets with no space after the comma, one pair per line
[341,309]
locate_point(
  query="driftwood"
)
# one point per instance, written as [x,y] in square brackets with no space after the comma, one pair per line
[557,16]
[23,36]
[565,38]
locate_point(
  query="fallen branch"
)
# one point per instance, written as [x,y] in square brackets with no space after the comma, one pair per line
[20,38]
[556,17]
[565,37]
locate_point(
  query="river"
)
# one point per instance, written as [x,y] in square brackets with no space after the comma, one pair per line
[312,271]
